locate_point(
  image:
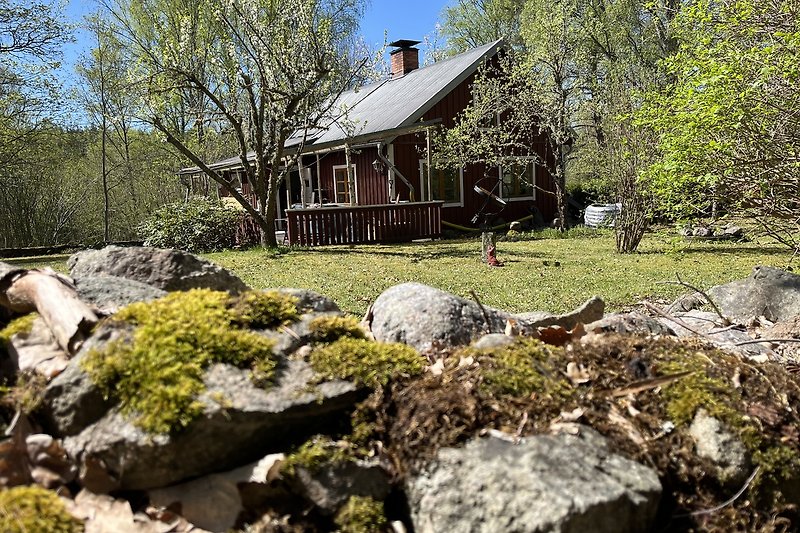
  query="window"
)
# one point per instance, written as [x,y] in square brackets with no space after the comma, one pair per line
[341,184]
[519,179]
[445,184]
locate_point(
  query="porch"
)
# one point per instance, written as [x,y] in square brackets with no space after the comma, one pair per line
[366,224]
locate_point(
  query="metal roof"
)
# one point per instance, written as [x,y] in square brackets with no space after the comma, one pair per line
[390,104]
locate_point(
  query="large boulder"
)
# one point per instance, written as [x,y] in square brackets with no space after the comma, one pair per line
[767,291]
[169,270]
[240,423]
[559,483]
[425,317]
[110,293]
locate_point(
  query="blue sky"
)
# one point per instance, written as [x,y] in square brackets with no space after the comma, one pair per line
[403,19]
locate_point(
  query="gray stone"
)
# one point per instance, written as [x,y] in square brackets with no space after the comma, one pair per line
[240,423]
[702,232]
[591,311]
[629,323]
[708,325]
[425,317]
[71,400]
[330,485]
[719,445]
[309,300]
[493,340]
[110,293]
[170,270]
[561,483]
[768,291]
[732,231]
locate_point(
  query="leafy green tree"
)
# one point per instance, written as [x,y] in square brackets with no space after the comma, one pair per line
[263,70]
[728,126]
[470,23]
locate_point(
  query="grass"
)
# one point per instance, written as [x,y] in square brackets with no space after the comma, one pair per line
[546,274]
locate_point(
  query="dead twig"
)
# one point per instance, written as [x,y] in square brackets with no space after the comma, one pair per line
[726,502]
[725,320]
[646,384]
[674,319]
[757,341]
[483,311]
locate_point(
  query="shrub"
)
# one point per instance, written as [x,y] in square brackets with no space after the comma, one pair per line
[199,225]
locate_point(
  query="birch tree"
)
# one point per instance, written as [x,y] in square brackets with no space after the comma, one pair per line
[260,70]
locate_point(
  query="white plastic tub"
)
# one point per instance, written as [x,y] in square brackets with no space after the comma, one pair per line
[601,215]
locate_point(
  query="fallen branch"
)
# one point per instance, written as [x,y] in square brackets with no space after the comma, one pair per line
[725,320]
[53,297]
[757,341]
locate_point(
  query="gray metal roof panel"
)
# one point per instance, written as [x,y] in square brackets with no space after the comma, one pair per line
[400,101]
[395,102]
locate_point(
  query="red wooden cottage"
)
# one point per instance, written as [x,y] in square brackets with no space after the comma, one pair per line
[394,195]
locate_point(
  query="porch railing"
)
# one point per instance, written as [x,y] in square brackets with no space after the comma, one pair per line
[364,224]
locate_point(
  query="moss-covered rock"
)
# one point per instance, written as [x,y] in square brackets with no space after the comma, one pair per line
[34,509]
[365,362]
[157,375]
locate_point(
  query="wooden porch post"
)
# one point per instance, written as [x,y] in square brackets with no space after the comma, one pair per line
[302,182]
[351,182]
[319,182]
[428,151]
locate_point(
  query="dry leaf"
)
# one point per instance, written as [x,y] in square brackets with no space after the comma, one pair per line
[466,361]
[213,502]
[437,368]
[511,327]
[554,335]
[578,374]
[616,418]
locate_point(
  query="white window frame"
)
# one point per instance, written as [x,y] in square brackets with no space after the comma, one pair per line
[423,176]
[531,161]
[336,184]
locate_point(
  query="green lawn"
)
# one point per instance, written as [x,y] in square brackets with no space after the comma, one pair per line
[545,274]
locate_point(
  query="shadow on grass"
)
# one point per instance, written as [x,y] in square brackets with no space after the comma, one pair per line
[746,249]
[36,259]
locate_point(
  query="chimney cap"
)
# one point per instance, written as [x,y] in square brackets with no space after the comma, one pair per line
[403,44]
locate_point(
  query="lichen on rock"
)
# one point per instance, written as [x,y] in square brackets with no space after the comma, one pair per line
[157,374]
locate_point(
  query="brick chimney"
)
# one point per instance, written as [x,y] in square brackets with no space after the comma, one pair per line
[405,57]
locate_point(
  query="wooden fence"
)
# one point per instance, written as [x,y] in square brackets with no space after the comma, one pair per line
[364,224]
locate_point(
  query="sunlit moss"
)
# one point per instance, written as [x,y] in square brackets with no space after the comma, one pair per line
[329,328]
[257,309]
[524,367]
[361,514]
[365,362]
[22,324]
[34,509]
[157,375]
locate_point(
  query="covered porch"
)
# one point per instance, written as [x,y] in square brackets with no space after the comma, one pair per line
[366,224]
